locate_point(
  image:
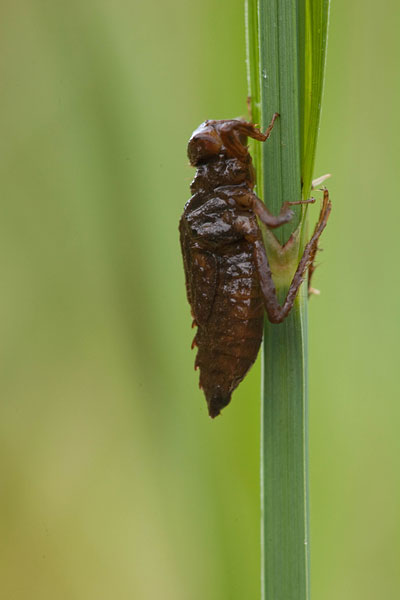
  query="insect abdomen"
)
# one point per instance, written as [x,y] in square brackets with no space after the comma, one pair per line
[229,342]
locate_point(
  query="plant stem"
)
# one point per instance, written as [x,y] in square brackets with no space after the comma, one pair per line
[280,93]
[284,478]
[286,54]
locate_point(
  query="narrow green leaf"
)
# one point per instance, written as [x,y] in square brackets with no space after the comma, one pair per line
[280,93]
[313,37]
[284,472]
[253,81]
[286,42]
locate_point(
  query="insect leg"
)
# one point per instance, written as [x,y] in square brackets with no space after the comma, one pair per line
[268,289]
[250,130]
[232,131]
[314,251]
[285,215]
[269,128]
[308,257]
[277,313]
[245,198]
[249,228]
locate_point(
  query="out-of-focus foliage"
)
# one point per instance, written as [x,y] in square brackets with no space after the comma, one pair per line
[114,482]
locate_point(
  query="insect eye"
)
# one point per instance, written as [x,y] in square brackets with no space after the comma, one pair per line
[203,145]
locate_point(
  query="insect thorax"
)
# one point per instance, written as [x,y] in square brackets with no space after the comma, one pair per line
[222,171]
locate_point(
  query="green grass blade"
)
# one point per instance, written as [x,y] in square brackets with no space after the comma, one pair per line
[313,37]
[280,93]
[286,51]
[253,80]
[284,479]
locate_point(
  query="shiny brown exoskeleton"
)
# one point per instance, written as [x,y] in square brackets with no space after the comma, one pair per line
[228,277]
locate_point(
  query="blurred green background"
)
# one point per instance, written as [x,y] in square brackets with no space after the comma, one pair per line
[114,482]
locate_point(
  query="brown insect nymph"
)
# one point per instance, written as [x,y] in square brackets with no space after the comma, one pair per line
[228,277]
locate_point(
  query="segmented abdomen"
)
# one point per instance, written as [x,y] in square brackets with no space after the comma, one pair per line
[229,341]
